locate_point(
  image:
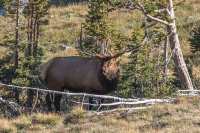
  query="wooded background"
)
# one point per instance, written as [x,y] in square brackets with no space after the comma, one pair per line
[33,32]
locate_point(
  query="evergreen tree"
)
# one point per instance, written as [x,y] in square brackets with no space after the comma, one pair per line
[195,39]
[142,75]
[31,53]
[96,27]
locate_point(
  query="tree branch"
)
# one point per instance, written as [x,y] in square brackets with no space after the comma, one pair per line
[141,8]
[132,6]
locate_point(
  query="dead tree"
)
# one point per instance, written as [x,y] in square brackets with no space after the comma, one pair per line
[172,34]
[175,45]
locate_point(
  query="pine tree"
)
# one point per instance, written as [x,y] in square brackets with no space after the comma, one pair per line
[195,39]
[35,13]
[96,27]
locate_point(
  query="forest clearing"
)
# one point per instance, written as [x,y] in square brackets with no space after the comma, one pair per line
[99,66]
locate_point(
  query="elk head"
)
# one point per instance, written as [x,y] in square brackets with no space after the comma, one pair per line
[110,66]
[111,69]
[111,63]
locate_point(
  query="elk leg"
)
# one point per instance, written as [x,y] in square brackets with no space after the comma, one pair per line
[48,101]
[29,101]
[91,102]
[16,93]
[57,102]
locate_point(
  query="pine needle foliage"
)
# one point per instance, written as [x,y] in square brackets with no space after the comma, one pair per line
[195,39]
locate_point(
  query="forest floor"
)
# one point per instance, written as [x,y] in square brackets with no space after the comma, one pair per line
[180,117]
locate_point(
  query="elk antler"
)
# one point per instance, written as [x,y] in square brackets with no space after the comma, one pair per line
[123,52]
[107,58]
[127,50]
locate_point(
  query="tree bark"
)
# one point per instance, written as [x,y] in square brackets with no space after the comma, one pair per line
[30,29]
[81,38]
[37,36]
[178,56]
[16,50]
[17,34]
[165,70]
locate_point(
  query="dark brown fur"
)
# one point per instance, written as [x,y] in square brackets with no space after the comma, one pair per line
[80,74]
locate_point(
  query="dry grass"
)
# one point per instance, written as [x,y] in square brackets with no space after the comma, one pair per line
[183,116]
[64,25]
[46,119]
[6,126]
[64,53]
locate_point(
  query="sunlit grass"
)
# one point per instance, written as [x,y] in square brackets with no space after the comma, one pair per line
[182,116]
[45,119]
[6,126]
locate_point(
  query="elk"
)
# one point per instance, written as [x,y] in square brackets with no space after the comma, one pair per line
[95,75]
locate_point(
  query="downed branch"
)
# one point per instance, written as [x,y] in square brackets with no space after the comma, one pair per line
[69,93]
[130,105]
[188,92]
[127,110]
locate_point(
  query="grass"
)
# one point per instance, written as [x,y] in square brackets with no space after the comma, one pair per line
[182,116]
[6,126]
[22,123]
[47,119]
[65,22]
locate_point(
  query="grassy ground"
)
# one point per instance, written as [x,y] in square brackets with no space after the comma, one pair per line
[64,25]
[181,117]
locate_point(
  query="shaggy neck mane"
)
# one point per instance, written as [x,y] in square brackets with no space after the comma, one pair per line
[105,78]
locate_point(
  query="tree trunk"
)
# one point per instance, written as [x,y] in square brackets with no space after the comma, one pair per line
[37,36]
[178,56]
[17,34]
[30,29]
[16,52]
[81,38]
[165,70]
[34,35]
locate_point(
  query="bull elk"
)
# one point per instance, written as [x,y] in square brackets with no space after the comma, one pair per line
[95,75]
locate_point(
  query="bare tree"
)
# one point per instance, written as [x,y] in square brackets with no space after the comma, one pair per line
[172,34]
[178,56]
